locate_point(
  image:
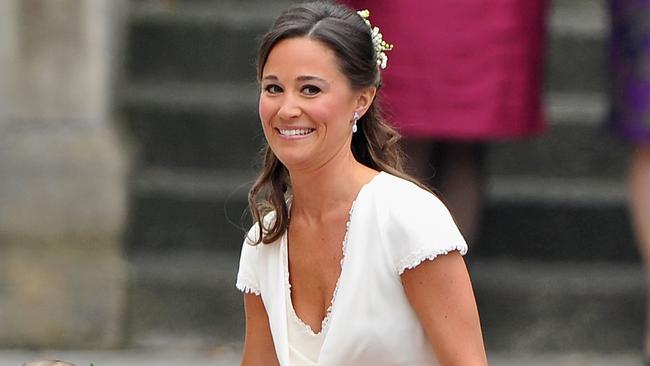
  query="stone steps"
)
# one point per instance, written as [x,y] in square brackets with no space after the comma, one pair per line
[577,219]
[224,38]
[197,41]
[556,219]
[215,126]
[207,126]
[579,18]
[183,299]
[188,210]
[525,306]
[577,37]
[555,268]
[543,306]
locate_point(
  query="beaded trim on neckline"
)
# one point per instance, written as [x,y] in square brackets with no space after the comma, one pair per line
[328,312]
[285,257]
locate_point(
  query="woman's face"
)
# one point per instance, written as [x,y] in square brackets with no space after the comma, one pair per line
[306,104]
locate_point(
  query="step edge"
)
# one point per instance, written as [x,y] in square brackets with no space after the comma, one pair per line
[241,16]
[576,108]
[561,108]
[593,20]
[183,95]
[555,277]
[211,184]
[557,191]
[194,184]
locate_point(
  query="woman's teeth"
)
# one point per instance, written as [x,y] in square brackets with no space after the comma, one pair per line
[296,132]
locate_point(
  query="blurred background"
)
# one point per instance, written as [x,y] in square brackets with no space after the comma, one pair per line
[128,140]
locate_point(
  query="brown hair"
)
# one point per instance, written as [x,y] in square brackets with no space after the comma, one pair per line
[374,145]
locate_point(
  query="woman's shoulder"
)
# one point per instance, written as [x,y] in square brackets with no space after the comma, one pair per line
[414,224]
[389,180]
[253,234]
[397,192]
[400,202]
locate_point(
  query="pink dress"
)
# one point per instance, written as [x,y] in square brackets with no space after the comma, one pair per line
[462,69]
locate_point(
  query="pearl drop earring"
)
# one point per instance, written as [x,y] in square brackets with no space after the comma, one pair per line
[355,118]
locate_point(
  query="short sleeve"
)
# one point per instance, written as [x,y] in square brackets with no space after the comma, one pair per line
[247,279]
[419,227]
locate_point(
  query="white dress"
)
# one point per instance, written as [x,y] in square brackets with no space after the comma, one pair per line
[394,225]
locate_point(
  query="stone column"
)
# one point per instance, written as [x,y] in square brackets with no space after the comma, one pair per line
[62,175]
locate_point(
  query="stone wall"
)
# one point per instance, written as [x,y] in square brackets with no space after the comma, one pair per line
[62,175]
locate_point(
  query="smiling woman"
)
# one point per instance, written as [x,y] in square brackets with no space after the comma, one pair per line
[307,105]
[350,261]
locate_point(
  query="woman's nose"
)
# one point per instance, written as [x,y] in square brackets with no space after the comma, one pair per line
[289,108]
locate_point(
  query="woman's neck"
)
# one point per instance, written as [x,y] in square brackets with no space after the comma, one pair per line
[318,192]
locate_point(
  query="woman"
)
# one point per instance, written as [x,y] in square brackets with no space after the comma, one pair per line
[349,262]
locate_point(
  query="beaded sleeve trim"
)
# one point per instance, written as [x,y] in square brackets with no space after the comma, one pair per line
[247,288]
[416,258]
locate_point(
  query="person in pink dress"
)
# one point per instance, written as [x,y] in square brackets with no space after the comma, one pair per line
[462,73]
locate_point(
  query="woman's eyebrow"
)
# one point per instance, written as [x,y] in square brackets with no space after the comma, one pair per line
[303,78]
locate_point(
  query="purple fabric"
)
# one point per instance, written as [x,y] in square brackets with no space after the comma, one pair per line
[630,69]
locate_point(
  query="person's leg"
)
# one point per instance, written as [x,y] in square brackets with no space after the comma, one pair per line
[460,180]
[419,163]
[454,170]
[639,188]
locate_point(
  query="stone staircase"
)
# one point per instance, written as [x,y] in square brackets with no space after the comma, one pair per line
[189,100]
[555,269]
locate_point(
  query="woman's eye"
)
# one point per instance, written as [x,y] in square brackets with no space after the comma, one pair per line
[272,89]
[310,90]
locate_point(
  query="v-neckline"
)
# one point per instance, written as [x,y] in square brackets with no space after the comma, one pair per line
[287,283]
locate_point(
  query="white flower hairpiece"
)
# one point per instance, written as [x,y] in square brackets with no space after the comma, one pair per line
[381,47]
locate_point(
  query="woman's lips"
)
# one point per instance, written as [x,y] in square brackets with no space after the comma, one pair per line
[294,132]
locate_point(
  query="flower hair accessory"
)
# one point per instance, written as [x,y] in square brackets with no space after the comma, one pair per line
[381,47]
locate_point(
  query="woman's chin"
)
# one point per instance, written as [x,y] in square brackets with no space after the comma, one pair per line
[293,162]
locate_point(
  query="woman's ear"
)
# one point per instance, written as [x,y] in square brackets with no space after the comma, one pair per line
[364,100]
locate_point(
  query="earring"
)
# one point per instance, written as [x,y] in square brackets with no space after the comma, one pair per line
[355,118]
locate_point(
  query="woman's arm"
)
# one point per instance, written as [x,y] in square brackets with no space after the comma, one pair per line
[441,294]
[258,343]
